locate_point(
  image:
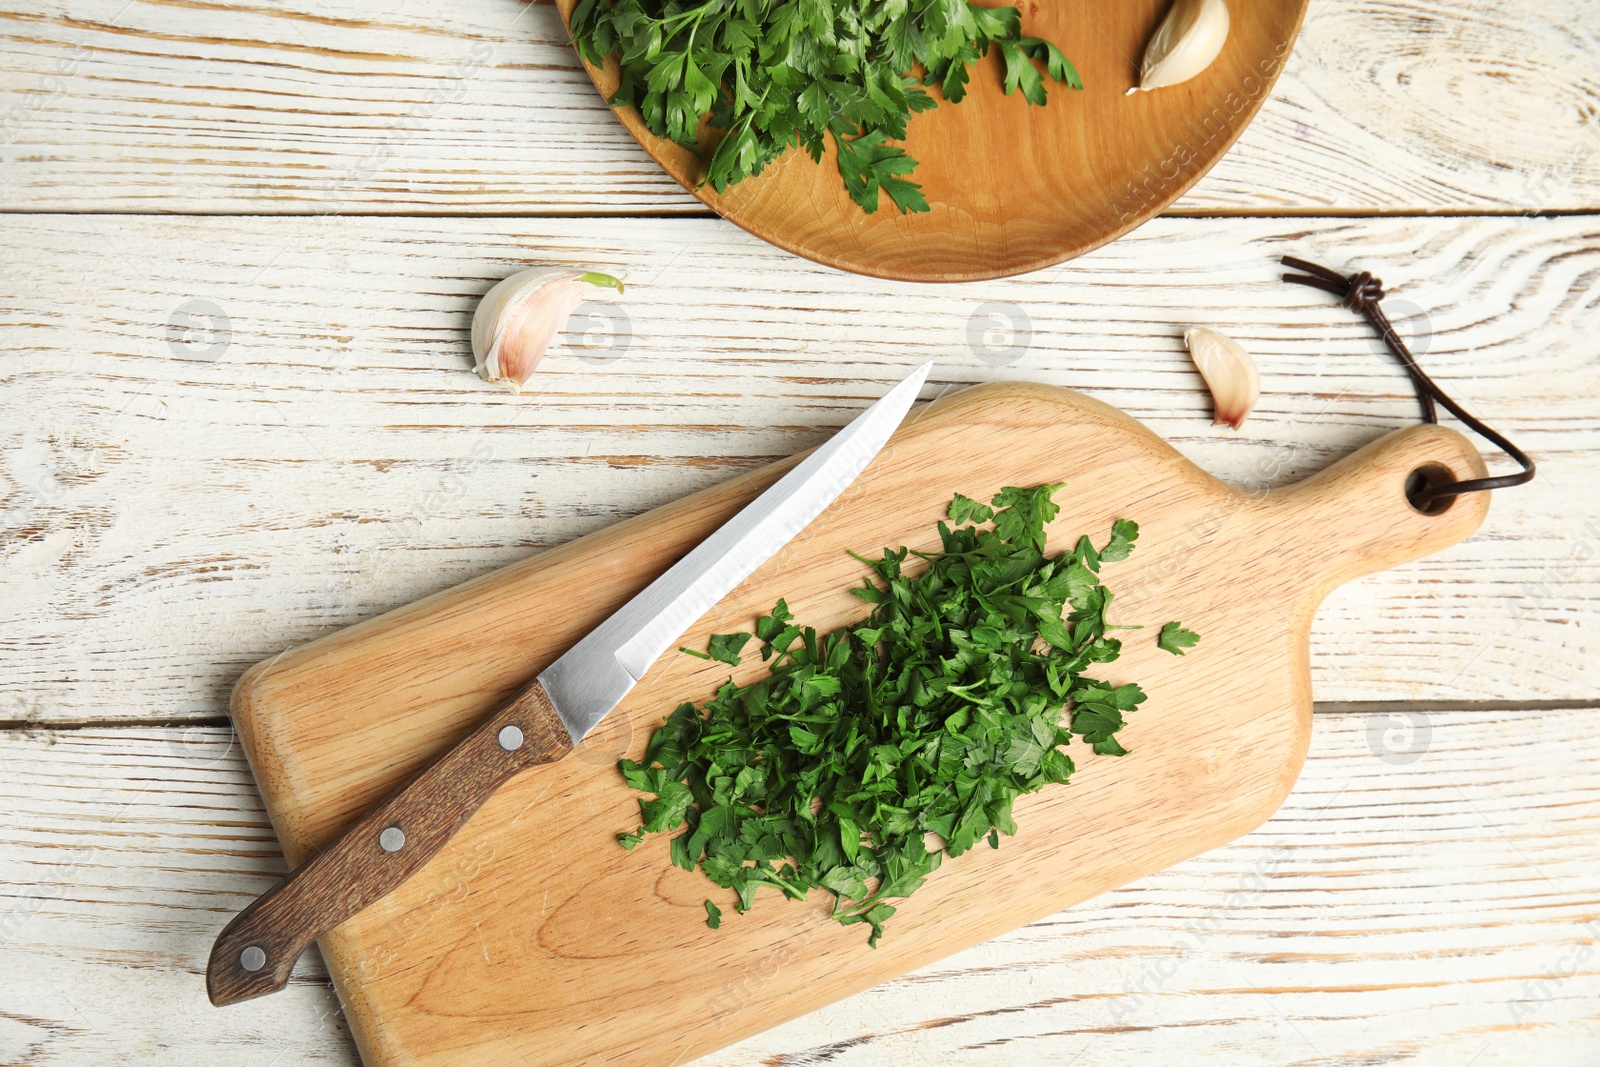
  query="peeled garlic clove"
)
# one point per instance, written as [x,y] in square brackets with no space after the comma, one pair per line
[518,318]
[1230,374]
[1190,37]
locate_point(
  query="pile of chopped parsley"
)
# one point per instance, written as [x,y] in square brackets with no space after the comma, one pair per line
[930,717]
[768,75]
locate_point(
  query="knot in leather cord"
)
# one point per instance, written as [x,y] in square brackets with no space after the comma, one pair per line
[1362,292]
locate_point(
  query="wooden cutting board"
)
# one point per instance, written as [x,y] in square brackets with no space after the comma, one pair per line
[534,938]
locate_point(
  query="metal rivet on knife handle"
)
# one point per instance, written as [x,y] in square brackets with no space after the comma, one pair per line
[392,840]
[510,738]
[253,959]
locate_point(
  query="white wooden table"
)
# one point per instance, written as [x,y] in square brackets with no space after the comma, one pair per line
[240,250]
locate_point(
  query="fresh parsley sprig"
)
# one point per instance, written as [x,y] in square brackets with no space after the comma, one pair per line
[744,81]
[930,717]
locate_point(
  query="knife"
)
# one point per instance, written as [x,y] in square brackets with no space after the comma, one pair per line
[255,952]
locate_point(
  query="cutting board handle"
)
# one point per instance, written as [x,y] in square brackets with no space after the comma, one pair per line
[256,952]
[1354,517]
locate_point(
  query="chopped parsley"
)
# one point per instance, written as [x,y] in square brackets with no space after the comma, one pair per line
[870,753]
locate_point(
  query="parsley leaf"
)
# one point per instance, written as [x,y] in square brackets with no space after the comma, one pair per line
[725,648]
[964,509]
[1057,65]
[1021,514]
[1123,534]
[1174,638]
[871,753]
[868,165]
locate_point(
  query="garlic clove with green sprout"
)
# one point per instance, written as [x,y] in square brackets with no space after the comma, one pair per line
[1230,374]
[518,319]
[1186,43]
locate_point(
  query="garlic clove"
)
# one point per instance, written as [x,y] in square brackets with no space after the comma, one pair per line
[1230,374]
[1186,43]
[518,319]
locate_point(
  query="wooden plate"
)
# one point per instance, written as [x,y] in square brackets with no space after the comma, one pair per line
[1015,187]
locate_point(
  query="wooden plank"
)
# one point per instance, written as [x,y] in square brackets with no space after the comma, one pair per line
[1428,909]
[359,106]
[119,853]
[173,520]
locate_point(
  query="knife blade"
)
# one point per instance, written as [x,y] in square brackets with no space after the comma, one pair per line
[589,680]
[256,952]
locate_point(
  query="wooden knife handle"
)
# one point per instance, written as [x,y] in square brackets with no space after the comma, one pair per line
[256,951]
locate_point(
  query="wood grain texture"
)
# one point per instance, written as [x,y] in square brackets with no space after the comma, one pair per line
[363,106]
[1417,911]
[122,852]
[1010,187]
[619,947]
[170,521]
[365,863]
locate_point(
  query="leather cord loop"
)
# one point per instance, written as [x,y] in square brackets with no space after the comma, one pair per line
[1363,294]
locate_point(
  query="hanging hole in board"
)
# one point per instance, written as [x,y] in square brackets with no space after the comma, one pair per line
[1424,478]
